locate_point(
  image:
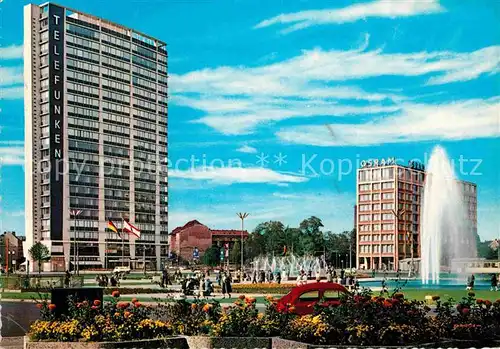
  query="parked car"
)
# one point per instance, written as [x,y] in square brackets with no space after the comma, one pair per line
[303,298]
[121,270]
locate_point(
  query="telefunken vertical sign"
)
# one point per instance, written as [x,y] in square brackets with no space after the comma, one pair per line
[56,100]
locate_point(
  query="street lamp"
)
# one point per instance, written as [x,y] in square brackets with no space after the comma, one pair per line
[242,216]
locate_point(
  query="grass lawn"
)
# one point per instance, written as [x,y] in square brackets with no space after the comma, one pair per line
[417,294]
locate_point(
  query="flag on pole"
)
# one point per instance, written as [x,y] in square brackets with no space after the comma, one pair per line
[128,227]
[113,228]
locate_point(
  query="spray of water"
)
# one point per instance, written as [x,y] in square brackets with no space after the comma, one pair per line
[444,226]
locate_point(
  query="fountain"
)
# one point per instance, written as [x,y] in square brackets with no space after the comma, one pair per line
[289,266]
[444,228]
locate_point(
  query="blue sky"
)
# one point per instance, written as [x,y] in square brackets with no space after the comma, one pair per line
[319,82]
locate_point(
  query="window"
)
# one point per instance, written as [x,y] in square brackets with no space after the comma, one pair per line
[364,187]
[364,218]
[111,51]
[376,217]
[376,196]
[376,227]
[388,206]
[108,61]
[82,100]
[376,175]
[387,196]
[115,74]
[387,226]
[309,296]
[364,197]
[82,66]
[364,175]
[75,41]
[388,173]
[83,89]
[376,207]
[81,77]
[76,52]
[376,186]
[387,217]
[331,294]
[364,228]
[364,208]
[115,41]
[388,185]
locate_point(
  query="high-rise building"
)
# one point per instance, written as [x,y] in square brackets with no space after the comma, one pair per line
[95,139]
[388,209]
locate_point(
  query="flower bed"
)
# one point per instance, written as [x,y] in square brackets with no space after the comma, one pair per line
[355,320]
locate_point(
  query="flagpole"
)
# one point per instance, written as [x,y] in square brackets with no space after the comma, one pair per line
[123,243]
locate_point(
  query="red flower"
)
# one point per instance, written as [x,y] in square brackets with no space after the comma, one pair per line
[242,297]
[115,294]
[97,303]
[52,307]
[250,300]
[479,301]
[137,304]
[94,307]
[134,300]
[291,309]
[127,314]
[85,303]
[387,304]
[394,301]
[123,305]
[465,311]
[488,303]
[39,305]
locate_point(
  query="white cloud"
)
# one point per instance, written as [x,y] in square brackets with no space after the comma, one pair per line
[11,76]
[231,175]
[352,13]
[11,80]
[247,149]
[11,92]
[11,52]
[416,122]
[11,155]
[335,210]
[236,100]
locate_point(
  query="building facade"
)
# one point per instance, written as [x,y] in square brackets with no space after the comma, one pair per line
[194,235]
[95,139]
[388,209]
[11,250]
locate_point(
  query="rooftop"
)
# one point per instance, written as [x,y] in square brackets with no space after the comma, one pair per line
[108,23]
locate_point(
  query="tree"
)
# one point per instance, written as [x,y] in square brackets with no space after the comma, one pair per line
[39,253]
[313,240]
[235,253]
[211,256]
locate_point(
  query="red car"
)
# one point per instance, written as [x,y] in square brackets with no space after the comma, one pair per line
[304,297]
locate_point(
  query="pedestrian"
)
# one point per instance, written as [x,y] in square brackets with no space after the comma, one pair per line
[254,277]
[67,279]
[164,278]
[329,276]
[373,273]
[494,282]
[223,284]
[384,287]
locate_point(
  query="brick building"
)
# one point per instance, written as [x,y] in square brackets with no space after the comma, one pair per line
[183,240]
[12,247]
